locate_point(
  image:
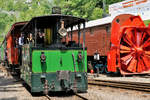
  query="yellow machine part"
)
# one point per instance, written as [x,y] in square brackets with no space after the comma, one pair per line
[48,35]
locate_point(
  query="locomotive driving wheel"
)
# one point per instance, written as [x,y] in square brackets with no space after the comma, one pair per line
[135,50]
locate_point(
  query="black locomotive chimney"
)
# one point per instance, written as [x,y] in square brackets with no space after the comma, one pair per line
[56,10]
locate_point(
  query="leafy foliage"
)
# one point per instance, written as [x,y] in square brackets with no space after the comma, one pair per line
[12,11]
[147,22]
[90,9]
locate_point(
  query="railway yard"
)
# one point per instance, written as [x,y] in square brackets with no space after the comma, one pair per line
[64,57]
[99,88]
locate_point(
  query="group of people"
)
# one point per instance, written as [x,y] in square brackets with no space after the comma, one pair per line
[30,40]
[23,40]
[27,40]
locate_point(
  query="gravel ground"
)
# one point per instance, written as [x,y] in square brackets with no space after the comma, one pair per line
[10,89]
[108,93]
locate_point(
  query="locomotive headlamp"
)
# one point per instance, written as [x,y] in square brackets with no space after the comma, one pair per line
[43,57]
[62,31]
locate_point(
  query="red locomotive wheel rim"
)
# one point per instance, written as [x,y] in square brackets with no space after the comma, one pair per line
[135,50]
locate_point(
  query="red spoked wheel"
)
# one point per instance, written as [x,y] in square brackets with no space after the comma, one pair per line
[135,50]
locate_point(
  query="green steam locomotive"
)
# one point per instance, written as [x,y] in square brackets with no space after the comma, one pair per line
[48,60]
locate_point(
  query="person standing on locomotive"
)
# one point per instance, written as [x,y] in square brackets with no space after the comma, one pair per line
[21,40]
[30,39]
[21,43]
[40,38]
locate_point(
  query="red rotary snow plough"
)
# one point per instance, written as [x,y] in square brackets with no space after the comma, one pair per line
[130,46]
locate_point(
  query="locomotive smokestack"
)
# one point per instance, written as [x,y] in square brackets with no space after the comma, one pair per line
[56,10]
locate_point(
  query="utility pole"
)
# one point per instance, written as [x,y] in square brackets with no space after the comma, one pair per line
[104,8]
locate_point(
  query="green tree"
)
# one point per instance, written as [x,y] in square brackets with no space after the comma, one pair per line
[12,11]
[90,9]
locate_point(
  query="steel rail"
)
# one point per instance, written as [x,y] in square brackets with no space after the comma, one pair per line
[82,97]
[48,97]
[122,84]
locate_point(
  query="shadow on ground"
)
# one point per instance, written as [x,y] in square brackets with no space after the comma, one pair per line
[11,98]
[7,81]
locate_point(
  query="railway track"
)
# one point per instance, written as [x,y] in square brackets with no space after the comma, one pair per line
[139,86]
[48,97]
[77,96]
[45,97]
[80,96]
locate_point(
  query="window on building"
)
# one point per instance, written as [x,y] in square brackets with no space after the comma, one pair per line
[91,31]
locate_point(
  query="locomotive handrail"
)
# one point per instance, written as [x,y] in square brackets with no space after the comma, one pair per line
[84,46]
[74,62]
